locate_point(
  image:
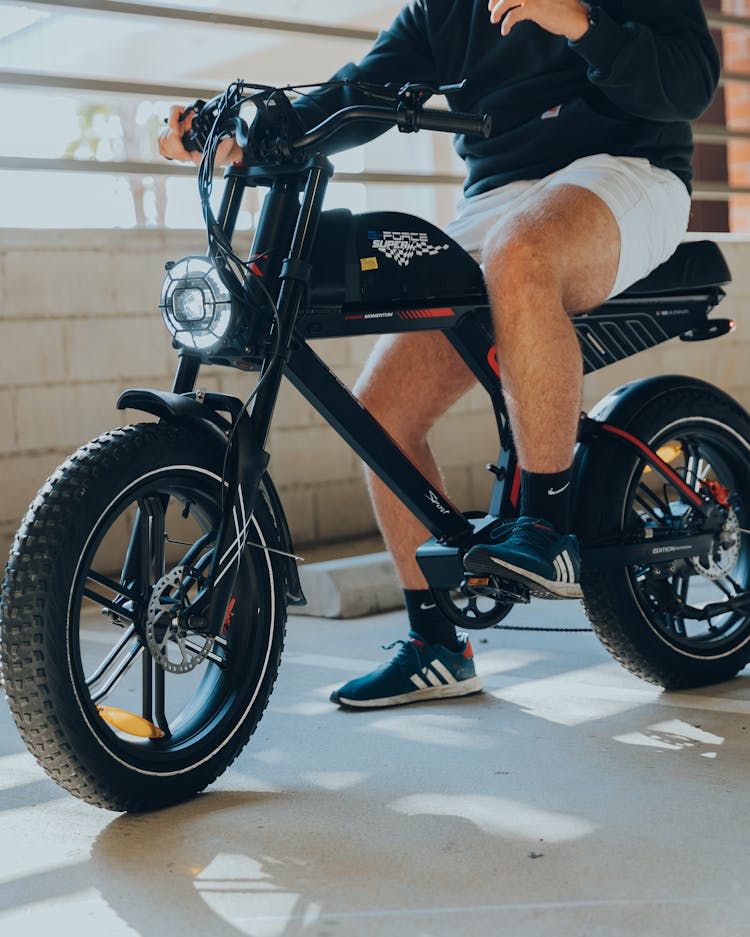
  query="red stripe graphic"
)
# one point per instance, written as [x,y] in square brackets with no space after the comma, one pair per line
[655,460]
[444,313]
[516,487]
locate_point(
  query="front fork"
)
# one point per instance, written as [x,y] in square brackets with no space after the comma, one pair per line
[246,433]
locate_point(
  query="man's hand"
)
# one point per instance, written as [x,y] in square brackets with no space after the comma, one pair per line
[170,141]
[562,17]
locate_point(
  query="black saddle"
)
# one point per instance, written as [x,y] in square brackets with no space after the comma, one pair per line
[695,265]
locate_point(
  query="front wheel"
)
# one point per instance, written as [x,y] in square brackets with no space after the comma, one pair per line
[648,616]
[120,709]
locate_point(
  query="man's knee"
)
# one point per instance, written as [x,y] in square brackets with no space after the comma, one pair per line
[518,257]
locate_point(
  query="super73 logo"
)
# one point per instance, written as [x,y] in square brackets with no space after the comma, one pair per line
[401,246]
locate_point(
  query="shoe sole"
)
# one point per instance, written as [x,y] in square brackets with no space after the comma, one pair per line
[537,585]
[464,688]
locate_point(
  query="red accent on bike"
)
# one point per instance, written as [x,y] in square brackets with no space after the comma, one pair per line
[655,460]
[254,268]
[468,652]
[426,313]
[719,492]
[492,360]
[516,488]
[228,616]
[347,318]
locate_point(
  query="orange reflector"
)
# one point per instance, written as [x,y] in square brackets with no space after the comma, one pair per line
[667,454]
[130,723]
[478,581]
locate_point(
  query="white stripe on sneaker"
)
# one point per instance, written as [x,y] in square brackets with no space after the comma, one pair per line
[569,565]
[418,682]
[433,678]
[443,671]
[560,570]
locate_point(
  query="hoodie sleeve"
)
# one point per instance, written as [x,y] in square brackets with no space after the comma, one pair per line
[401,53]
[661,65]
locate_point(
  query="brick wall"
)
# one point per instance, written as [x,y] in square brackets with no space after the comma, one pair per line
[736,58]
[79,322]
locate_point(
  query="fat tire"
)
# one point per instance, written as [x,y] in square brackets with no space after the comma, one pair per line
[35,592]
[611,606]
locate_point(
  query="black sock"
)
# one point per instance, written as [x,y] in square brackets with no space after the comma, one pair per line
[427,620]
[548,497]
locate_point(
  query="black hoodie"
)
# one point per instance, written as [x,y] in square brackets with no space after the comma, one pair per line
[628,87]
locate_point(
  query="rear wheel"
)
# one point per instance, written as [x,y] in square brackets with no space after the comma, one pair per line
[647,616]
[119,706]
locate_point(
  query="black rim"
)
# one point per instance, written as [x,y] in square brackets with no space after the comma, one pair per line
[701,452]
[111,664]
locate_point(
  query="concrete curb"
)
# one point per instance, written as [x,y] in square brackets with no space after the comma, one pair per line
[350,587]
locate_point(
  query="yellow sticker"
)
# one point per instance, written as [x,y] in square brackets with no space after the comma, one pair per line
[368,263]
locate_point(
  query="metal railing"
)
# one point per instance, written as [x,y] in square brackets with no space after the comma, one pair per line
[22,78]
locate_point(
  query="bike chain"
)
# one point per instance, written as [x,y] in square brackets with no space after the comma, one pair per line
[539,628]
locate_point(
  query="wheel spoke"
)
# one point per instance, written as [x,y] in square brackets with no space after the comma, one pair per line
[692,467]
[120,610]
[160,716]
[215,658]
[645,492]
[114,666]
[119,588]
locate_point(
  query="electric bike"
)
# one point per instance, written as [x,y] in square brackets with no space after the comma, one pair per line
[149,704]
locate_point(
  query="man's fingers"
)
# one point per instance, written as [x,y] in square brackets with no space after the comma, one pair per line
[515,16]
[170,139]
[499,8]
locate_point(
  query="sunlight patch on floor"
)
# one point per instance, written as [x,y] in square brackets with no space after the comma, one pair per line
[498,816]
[579,696]
[433,729]
[19,768]
[241,891]
[672,735]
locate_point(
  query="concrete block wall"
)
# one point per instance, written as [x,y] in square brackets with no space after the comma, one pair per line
[79,322]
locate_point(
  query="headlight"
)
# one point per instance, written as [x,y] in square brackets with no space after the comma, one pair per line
[195,304]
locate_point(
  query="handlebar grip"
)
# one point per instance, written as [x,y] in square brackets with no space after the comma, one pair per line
[475,125]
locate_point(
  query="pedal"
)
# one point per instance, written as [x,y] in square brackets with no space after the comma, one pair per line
[496,588]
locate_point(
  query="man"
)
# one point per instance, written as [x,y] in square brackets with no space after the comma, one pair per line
[582,189]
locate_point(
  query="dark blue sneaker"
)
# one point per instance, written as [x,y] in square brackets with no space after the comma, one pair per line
[418,672]
[534,554]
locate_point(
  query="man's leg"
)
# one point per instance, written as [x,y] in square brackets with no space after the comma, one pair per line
[409,381]
[555,256]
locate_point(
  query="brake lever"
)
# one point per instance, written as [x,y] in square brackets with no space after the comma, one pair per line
[420,86]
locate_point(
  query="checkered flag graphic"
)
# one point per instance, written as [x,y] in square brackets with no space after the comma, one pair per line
[402,246]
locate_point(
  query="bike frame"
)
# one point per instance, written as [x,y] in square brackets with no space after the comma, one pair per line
[293,222]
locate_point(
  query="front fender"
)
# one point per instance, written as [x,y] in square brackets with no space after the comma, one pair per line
[172,407]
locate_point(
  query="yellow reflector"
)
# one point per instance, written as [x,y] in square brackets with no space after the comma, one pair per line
[667,454]
[477,581]
[130,723]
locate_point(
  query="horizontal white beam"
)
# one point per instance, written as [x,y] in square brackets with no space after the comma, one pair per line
[207,17]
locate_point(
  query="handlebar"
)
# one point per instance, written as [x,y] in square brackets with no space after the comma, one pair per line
[407,119]
[407,114]
[473,125]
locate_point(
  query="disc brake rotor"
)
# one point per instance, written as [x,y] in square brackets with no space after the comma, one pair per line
[166,637]
[722,561]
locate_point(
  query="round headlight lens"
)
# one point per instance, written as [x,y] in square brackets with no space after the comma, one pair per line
[195,304]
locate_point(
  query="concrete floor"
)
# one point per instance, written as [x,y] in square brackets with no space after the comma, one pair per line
[568,799]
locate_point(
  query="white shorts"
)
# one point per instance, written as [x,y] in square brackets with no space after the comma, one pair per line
[651,207]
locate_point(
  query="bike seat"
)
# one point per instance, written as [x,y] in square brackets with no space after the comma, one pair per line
[695,265]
